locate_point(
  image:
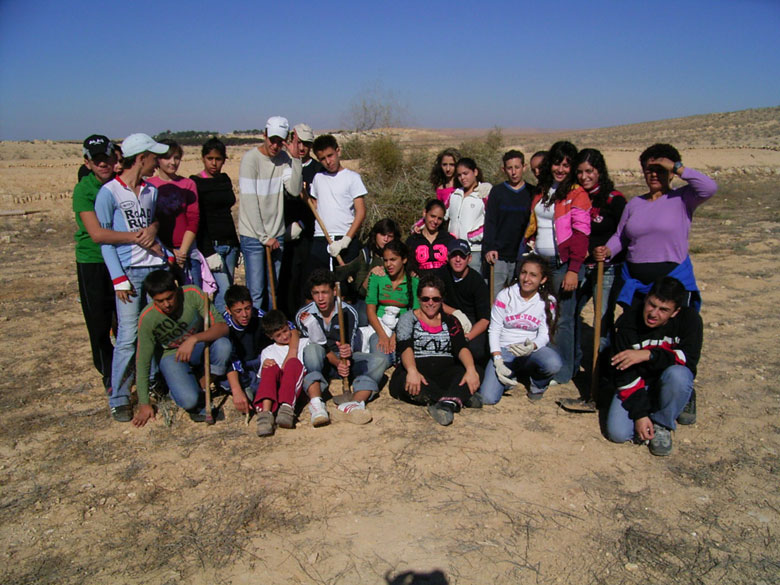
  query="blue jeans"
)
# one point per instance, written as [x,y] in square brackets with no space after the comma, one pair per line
[503,272]
[224,278]
[563,341]
[193,271]
[181,377]
[373,349]
[256,270]
[586,291]
[669,394]
[541,366]
[123,364]
[367,369]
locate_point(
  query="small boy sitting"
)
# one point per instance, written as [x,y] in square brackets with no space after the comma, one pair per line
[248,340]
[281,377]
[173,324]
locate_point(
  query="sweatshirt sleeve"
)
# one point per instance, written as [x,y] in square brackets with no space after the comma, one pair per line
[615,243]
[104,209]
[700,187]
[144,354]
[491,221]
[249,221]
[293,181]
[580,225]
[497,315]
[630,383]
[192,209]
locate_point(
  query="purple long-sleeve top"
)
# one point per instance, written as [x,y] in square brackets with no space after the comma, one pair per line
[657,231]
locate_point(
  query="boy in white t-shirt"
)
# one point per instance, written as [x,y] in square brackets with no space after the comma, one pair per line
[339,196]
[281,378]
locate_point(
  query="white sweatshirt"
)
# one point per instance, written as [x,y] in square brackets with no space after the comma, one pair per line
[514,319]
[467,215]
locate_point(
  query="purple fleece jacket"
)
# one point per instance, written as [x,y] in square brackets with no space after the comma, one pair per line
[657,231]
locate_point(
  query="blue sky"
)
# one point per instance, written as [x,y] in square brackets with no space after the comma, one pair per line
[68,69]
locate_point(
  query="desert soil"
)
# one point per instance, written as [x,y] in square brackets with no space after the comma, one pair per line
[516,493]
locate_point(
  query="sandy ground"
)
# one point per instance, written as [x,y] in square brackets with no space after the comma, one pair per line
[517,493]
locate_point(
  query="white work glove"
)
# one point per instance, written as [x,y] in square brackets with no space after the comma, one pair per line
[215,262]
[503,372]
[464,321]
[314,331]
[335,248]
[522,349]
[295,231]
[390,319]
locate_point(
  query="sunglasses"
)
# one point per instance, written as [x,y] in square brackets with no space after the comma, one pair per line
[429,299]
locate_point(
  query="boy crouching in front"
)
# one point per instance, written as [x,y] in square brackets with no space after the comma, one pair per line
[174,326]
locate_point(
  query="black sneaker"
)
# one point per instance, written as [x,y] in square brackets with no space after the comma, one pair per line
[442,412]
[475,401]
[534,396]
[197,417]
[661,444]
[123,413]
[688,414]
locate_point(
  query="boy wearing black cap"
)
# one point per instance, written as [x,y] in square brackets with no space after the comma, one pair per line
[95,289]
[467,298]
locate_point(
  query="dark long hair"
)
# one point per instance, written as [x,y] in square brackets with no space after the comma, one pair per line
[437,177]
[383,226]
[558,152]
[545,289]
[595,159]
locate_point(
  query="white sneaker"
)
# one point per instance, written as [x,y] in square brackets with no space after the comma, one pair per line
[354,412]
[319,414]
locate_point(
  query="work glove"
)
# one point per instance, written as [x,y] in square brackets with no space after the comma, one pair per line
[464,321]
[335,248]
[295,231]
[315,332]
[503,372]
[215,262]
[522,349]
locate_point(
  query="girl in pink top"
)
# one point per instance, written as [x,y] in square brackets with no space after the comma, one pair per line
[178,211]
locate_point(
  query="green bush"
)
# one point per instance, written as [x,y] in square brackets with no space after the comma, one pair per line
[352,148]
[383,157]
[487,152]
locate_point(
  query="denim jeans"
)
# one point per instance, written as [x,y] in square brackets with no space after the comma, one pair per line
[586,291]
[193,271]
[476,262]
[367,369]
[182,377]
[541,366]
[669,395]
[503,272]
[256,270]
[563,342]
[123,365]
[224,277]
[373,348]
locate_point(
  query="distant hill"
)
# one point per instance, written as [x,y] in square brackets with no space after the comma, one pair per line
[753,128]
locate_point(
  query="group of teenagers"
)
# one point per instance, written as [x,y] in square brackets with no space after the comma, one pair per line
[156,256]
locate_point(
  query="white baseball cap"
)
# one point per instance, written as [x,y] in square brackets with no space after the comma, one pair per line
[140,142]
[277,126]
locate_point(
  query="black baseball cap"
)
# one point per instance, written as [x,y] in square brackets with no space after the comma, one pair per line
[458,247]
[97,144]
